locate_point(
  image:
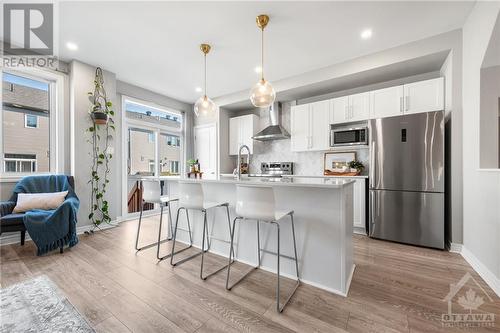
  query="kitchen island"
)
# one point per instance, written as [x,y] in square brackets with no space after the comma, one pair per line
[323,225]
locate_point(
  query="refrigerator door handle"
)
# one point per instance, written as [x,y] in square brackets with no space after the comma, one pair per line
[372,165]
[372,210]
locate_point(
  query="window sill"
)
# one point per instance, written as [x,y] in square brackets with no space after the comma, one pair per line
[12,178]
[488,170]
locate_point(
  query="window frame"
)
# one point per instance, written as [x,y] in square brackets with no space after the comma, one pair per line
[157,129]
[57,84]
[26,115]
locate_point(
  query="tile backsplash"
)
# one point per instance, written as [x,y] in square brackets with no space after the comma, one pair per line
[305,163]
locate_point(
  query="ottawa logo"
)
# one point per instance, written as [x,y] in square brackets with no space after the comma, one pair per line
[470,295]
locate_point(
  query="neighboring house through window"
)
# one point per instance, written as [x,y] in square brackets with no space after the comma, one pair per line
[26,124]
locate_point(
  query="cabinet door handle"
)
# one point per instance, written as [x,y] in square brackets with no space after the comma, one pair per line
[407,103]
[352,112]
[401,104]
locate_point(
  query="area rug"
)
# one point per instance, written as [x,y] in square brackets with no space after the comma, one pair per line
[37,305]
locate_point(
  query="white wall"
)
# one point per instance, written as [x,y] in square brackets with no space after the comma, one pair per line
[82,82]
[490,100]
[481,204]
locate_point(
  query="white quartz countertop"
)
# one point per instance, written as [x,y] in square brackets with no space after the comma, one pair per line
[322,176]
[295,181]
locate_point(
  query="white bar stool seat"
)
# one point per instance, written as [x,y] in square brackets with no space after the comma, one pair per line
[191,197]
[254,202]
[152,193]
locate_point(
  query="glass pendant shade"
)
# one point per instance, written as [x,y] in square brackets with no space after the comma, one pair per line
[204,106]
[262,94]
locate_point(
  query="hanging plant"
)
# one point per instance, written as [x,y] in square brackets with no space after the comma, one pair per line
[102,124]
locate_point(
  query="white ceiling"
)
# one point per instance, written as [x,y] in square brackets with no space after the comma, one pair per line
[155,45]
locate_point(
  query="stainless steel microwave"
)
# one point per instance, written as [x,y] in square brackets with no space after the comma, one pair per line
[348,136]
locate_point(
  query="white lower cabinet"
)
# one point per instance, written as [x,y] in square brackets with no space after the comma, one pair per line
[359,205]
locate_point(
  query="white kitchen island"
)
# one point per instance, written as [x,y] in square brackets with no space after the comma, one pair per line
[323,226]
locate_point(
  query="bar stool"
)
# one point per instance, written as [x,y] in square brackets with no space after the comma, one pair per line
[152,193]
[258,203]
[191,198]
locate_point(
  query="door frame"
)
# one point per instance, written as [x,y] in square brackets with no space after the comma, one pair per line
[214,125]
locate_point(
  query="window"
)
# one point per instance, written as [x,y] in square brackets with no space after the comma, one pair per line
[154,136]
[151,137]
[19,163]
[152,114]
[26,124]
[30,121]
[172,140]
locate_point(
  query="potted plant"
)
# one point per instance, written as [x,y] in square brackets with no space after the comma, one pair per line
[100,108]
[100,141]
[358,166]
[192,165]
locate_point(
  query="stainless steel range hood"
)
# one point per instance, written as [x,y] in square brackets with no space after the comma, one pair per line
[274,131]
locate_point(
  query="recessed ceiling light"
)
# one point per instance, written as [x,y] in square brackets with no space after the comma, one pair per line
[198,89]
[71,46]
[258,69]
[366,34]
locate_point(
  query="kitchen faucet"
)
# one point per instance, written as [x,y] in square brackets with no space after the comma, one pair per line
[239,158]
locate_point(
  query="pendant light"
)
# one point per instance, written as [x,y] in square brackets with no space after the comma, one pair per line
[204,105]
[262,94]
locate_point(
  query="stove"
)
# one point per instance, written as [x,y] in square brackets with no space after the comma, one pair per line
[276,169]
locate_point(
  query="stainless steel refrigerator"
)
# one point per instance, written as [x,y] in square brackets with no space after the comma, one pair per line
[406,197]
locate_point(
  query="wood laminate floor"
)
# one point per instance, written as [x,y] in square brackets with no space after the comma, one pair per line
[395,288]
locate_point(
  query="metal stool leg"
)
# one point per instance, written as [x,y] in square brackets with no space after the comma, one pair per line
[279,307]
[229,225]
[258,241]
[228,287]
[231,249]
[139,230]
[171,255]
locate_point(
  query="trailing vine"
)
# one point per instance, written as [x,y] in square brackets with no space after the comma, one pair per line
[102,124]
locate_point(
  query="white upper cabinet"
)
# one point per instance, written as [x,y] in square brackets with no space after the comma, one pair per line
[359,107]
[320,125]
[241,130]
[387,102]
[300,127]
[310,123]
[310,126]
[350,108]
[339,112]
[424,96]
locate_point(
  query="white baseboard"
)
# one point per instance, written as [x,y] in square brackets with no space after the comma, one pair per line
[15,236]
[488,276]
[359,231]
[456,248]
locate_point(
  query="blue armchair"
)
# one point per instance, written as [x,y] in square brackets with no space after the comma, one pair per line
[50,229]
